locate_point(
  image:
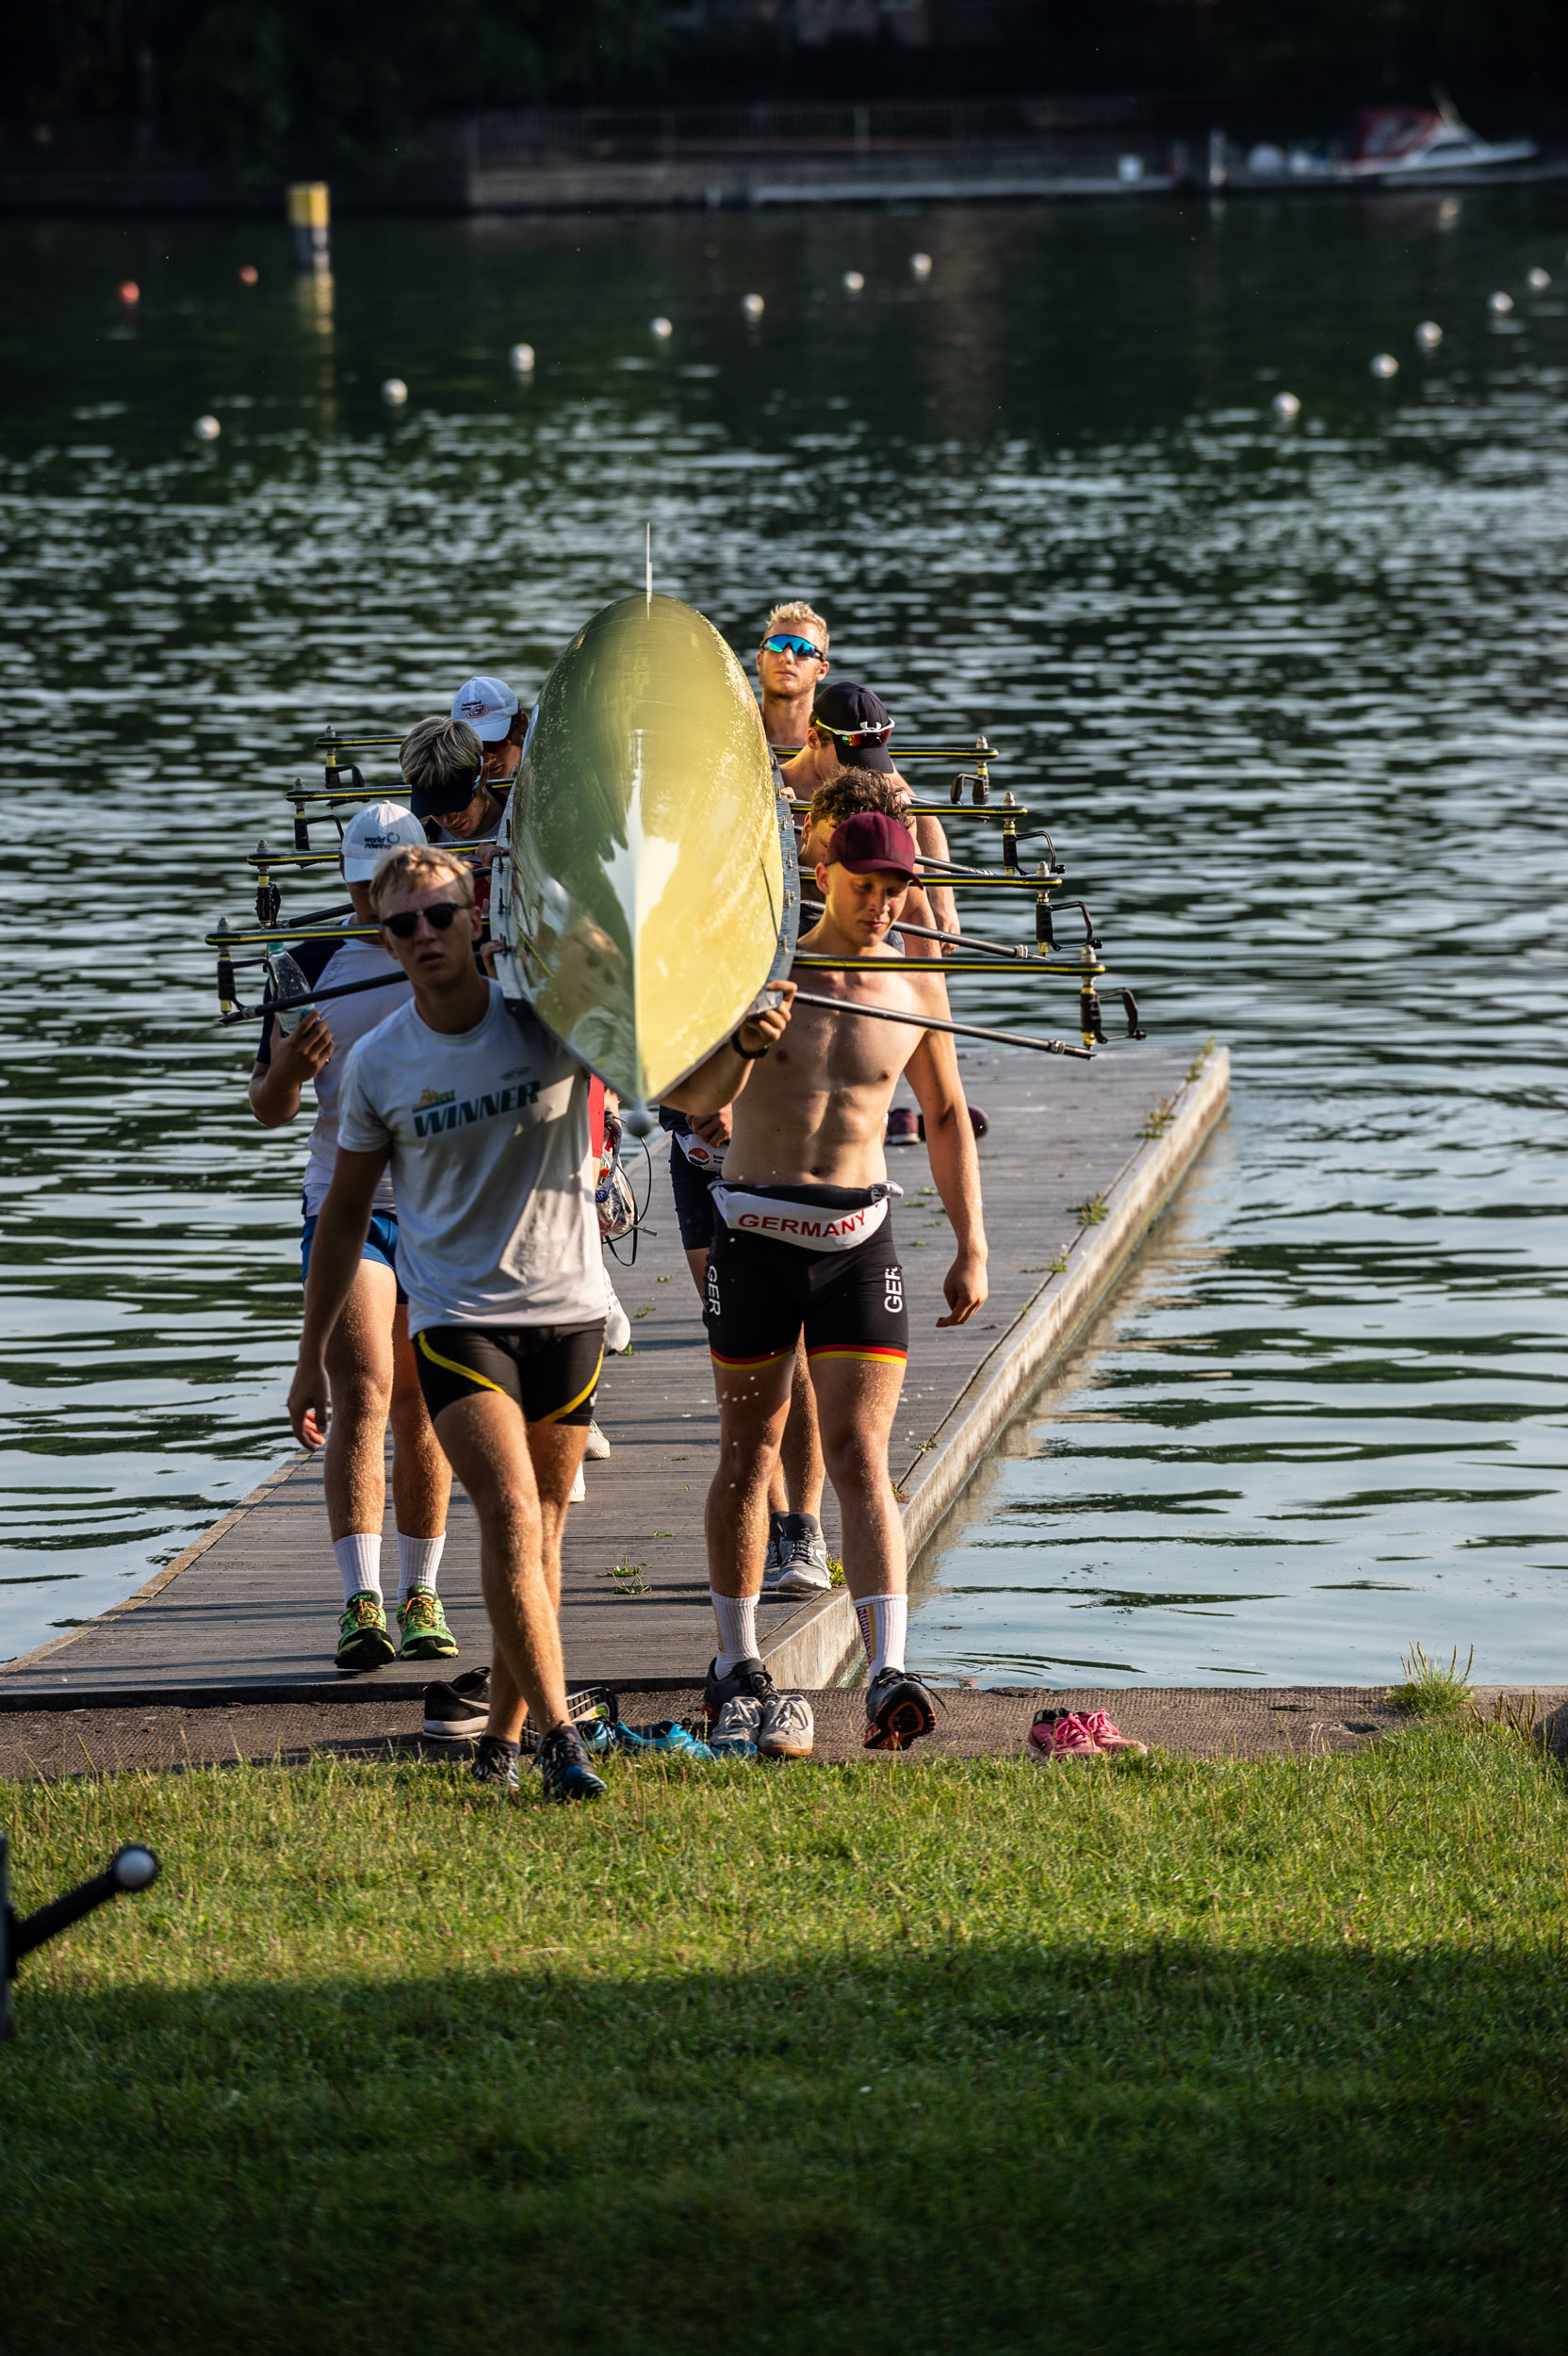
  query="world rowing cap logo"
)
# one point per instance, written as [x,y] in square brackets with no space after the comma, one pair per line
[476,711]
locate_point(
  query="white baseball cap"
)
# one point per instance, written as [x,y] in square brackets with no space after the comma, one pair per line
[380,827]
[489,707]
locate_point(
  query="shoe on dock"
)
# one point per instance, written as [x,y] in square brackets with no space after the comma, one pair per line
[899,1710]
[459,1709]
[802,1554]
[1062,1734]
[422,1627]
[598,1447]
[784,1727]
[362,1639]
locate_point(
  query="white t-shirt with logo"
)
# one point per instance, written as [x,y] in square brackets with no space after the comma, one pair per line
[491,1165]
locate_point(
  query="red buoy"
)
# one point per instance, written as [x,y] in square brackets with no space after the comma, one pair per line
[128,291]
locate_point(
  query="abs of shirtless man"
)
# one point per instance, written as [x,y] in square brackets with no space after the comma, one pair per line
[803,1244]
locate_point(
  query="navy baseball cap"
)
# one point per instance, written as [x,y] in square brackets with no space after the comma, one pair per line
[858,722]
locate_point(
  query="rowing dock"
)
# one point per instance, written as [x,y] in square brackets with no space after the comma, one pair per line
[1080,1161]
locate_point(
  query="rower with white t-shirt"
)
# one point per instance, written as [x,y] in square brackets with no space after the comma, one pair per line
[481,1118]
[370,1364]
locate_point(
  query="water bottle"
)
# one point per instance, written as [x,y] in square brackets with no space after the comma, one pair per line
[288,981]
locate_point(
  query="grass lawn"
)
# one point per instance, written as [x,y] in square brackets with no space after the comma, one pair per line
[1151,2055]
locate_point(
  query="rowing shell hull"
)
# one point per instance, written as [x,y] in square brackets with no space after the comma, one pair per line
[643,894]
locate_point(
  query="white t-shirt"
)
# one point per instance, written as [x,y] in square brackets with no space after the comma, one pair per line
[491,1166]
[325,965]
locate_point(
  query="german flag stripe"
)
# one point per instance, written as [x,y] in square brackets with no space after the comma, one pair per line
[770,1358]
[849,1349]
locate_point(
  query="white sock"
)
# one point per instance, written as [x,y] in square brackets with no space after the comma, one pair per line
[884,1625]
[737,1619]
[418,1560]
[359,1563]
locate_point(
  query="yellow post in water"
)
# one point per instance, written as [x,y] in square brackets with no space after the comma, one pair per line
[310,221]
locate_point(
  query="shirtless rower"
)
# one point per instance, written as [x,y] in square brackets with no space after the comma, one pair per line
[482,1118]
[791,663]
[803,1244]
[369,1358]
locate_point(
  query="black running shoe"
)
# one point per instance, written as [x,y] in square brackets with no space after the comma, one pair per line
[747,1677]
[459,1708]
[785,1730]
[564,1766]
[494,1764]
[899,1710]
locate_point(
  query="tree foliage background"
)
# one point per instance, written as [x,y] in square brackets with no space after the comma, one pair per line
[265,84]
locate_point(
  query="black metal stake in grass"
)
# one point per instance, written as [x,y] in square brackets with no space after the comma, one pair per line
[131,1868]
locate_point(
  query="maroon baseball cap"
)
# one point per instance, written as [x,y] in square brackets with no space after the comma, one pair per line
[871,844]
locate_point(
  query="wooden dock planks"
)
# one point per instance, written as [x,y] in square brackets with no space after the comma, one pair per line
[250,1612]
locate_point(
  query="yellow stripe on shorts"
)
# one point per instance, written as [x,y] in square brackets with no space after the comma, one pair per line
[453,1368]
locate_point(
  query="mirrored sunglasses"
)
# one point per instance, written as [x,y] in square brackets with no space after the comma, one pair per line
[858,736]
[782,641]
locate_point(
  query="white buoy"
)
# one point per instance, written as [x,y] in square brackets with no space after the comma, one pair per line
[521,358]
[853,282]
[1428,334]
[663,328]
[920,265]
[1499,305]
[206,429]
[1286,407]
[753,305]
[1539,281]
[394,392]
[1384,363]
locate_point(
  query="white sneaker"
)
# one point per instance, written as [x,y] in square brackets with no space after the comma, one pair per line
[735,1729]
[598,1447]
[579,1489]
[788,1728]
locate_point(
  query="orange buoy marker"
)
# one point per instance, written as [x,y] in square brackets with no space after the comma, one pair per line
[128,292]
[248,273]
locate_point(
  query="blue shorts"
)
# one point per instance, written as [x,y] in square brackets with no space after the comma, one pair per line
[381,1244]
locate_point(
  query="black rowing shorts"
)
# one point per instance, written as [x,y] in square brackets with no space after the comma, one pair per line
[550,1372]
[762,1294]
[693,1205]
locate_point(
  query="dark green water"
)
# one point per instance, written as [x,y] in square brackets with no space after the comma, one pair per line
[1292,698]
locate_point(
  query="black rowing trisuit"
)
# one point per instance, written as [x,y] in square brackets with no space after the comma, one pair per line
[691,1166]
[818,1259]
[550,1372]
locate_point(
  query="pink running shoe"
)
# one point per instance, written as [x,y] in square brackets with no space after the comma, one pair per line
[1108,1738]
[1064,1737]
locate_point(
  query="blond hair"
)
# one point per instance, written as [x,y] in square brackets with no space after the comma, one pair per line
[802,616]
[440,752]
[415,864]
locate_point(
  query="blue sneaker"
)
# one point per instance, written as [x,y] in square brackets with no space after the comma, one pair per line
[667,1735]
[565,1767]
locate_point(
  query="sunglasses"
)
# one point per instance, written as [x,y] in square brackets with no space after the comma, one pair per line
[405,924]
[782,642]
[856,736]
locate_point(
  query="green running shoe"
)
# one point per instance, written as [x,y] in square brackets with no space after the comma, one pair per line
[422,1625]
[362,1639]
